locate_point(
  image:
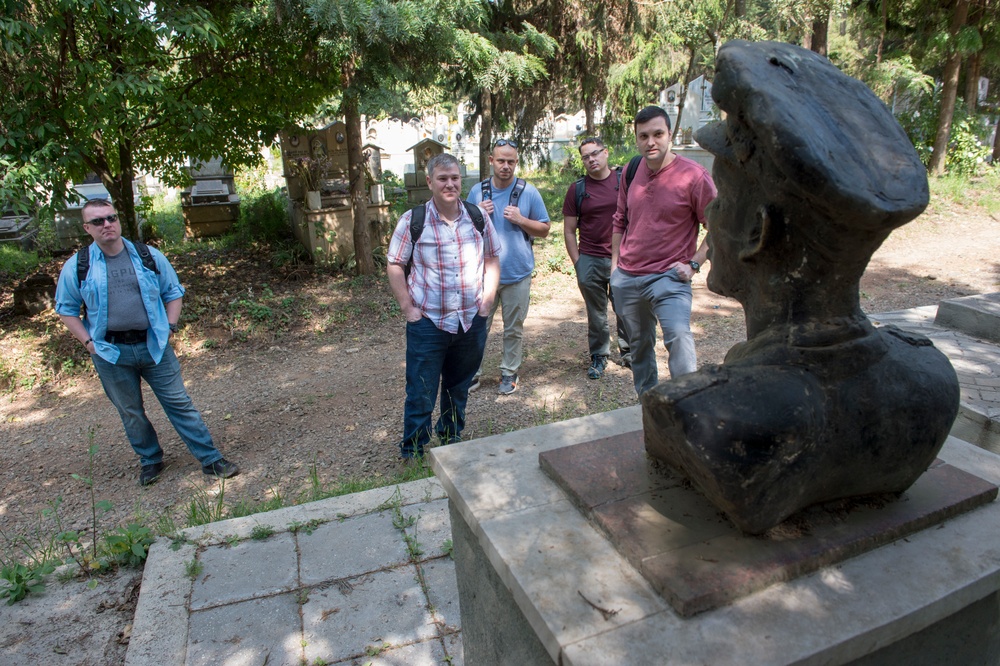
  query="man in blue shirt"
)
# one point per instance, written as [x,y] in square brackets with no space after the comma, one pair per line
[517,226]
[131,312]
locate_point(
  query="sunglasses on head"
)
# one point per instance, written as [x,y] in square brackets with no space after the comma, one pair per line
[101,221]
[505,142]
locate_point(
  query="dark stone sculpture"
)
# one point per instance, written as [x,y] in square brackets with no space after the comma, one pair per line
[813,174]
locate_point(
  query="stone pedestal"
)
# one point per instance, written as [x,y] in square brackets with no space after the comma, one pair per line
[539,584]
[209,219]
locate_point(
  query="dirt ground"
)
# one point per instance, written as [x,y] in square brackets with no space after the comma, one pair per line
[300,374]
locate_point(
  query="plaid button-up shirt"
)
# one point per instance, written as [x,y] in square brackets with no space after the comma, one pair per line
[446,277]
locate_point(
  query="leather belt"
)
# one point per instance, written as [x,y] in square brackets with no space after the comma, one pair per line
[125,337]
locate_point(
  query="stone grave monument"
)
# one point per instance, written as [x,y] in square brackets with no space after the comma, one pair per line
[792,505]
[210,206]
[417,191]
[327,232]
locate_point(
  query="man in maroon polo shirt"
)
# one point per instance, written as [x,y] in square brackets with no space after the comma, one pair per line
[655,250]
[589,207]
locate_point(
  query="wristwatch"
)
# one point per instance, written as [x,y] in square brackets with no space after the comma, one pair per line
[173,327]
[695,265]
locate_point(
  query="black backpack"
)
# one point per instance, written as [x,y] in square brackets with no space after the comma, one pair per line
[83,261]
[581,187]
[417,226]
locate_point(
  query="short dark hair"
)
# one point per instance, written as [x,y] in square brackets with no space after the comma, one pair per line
[651,113]
[591,139]
[442,160]
[97,203]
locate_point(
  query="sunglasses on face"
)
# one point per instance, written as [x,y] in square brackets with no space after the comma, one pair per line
[505,142]
[101,221]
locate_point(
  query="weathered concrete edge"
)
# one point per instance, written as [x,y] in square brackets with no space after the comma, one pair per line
[160,625]
[334,508]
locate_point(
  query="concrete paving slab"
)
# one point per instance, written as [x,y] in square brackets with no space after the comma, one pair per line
[249,633]
[453,646]
[431,527]
[249,569]
[362,614]
[428,653]
[344,549]
[442,593]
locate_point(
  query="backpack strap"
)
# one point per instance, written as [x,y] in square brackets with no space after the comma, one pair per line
[487,188]
[633,166]
[146,257]
[618,174]
[581,192]
[476,213]
[82,264]
[416,228]
[515,194]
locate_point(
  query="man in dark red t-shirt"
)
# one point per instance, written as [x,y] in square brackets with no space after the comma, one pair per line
[591,257]
[655,250]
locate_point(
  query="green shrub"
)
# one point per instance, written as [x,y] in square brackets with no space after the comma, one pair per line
[967,149]
[263,217]
[161,219]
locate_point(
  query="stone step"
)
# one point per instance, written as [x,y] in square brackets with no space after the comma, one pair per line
[978,316]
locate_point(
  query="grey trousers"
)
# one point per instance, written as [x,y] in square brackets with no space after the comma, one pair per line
[645,300]
[593,276]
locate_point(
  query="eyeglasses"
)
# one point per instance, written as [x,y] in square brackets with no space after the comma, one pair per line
[593,155]
[101,221]
[505,142]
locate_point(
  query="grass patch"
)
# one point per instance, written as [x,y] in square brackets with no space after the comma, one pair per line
[15,263]
[963,190]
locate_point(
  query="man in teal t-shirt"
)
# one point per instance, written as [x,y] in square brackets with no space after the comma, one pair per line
[517,225]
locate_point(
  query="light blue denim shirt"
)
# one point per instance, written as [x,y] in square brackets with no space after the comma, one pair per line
[156,290]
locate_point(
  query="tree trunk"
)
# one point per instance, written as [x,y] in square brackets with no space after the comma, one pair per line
[125,200]
[364,261]
[820,29]
[996,144]
[881,34]
[485,133]
[972,83]
[949,92]
[588,111]
[684,92]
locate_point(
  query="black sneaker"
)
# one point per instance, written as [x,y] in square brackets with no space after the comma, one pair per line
[150,474]
[222,469]
[597,366]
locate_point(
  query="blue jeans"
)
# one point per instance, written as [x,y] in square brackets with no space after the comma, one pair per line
[642,301]
[437,357]
[122,385]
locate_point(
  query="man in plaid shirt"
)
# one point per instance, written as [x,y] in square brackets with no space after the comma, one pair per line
[450,289]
